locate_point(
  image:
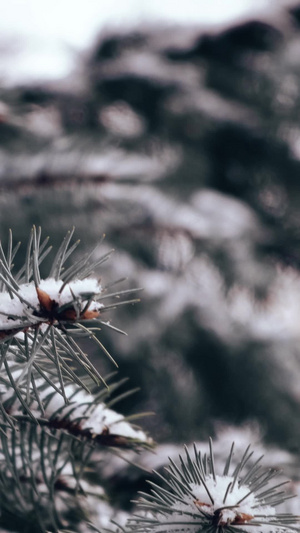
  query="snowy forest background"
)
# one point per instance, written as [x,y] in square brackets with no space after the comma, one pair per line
[182,146]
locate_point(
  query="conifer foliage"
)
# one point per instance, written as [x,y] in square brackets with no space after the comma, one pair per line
[57,421]
[196,498]
[41,319]
[56,409]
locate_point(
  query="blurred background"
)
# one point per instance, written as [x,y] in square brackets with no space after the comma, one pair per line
[175,131]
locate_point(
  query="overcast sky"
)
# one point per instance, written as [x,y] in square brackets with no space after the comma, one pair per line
[43,35]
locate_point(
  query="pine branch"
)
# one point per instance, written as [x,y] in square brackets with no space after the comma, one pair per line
[39,475]
[195,498]
[86,416]
[41,319]
[44,466]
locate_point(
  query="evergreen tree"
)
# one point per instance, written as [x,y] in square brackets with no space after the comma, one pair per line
[182,146]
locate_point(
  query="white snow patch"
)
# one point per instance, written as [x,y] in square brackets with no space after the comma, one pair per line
[217,488]
[96,418]
[13,309]
[185,511]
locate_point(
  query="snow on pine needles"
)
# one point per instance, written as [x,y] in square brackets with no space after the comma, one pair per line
[52,301]
[41,319]
[197,499]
